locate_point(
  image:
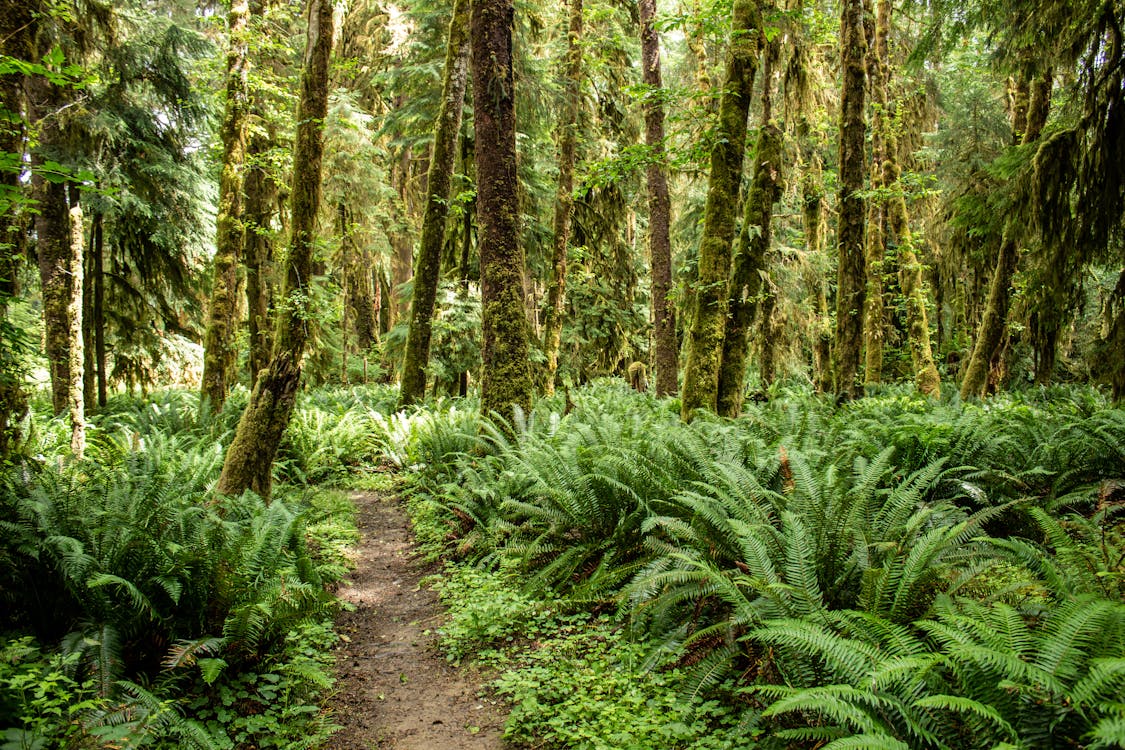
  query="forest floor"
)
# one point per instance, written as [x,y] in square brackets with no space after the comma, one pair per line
[394,689]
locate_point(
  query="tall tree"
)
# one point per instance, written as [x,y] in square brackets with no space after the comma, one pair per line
[659,208]
[427,271]
[874,318]
[705,340]
[249,460]
[850,291]
[754,243]
[219,353]
[564,193]
[505,373]
[990,334]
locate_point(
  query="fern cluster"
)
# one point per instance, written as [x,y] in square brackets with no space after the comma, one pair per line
[887,573]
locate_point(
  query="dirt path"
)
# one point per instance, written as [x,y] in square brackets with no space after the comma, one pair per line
[395,690]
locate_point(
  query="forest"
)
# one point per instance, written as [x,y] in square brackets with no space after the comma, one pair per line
[749,373]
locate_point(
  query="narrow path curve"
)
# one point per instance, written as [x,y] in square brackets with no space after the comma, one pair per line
[395,690]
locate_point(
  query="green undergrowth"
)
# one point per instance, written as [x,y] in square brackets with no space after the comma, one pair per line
[139,609]
[889,573]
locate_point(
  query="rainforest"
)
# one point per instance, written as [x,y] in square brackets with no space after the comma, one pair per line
[668,374]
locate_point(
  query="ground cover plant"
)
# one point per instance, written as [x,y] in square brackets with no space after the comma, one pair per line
[892,572]
[141,609]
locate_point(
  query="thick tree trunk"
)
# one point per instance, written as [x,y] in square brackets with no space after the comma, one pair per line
[850,277]
[261,198]
[812,213]
[219,355]
[359,302]
[427,271]
[705,340]
[749,268]
[1113,340]
[505,373]
[249,460]
[659,209]
[564,195]
[75,397]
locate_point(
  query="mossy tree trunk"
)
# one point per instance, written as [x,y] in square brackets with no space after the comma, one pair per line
[55,280]
[219,354]
[746,286]
[812,216]
[659,209]
[564,194]
[1112,341]
[261,200]
[850,279]
[926,377]
[427,270]
[987,347]
[249,460]
[505,372]
[359,293]
[705,339]
[874,318]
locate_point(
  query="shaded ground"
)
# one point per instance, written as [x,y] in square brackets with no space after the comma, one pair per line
[395,690]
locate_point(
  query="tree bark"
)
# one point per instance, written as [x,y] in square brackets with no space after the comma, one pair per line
[749,268]
[427,270]
[53,249]
[257,242]
[505,373]
[705,340]
[219,355]
[659,209]
[1027,125]
[812,212]
[249,460]
[564,195]
[76,403]
[850,292]
[874,319]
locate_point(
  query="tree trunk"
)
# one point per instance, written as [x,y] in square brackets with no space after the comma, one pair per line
[874,319]
[249,460]
[53,249]
[564,195]
[76,403]
[219,355]
[98,325]
[1027,125]
[89,366]
[812,213]
[705,340]
[749,268]
[261,198]
[659,209]
[850,278]
[427,271]
[402,245]
[1112,341]
[505,373]
[926,377]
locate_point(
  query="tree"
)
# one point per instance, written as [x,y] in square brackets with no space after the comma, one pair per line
[219,344]
[564,194]
[659,208]
[427,271]
[705,341]
[249,459]
[505,373]
[850,290]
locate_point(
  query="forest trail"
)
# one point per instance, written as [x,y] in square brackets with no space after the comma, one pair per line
[395,690]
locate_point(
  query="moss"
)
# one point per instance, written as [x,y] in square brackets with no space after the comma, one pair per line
[428,263]
[705,340]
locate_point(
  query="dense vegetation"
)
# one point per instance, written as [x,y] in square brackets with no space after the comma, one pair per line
[868,254]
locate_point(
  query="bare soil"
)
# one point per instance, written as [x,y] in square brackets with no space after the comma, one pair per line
[395,689]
